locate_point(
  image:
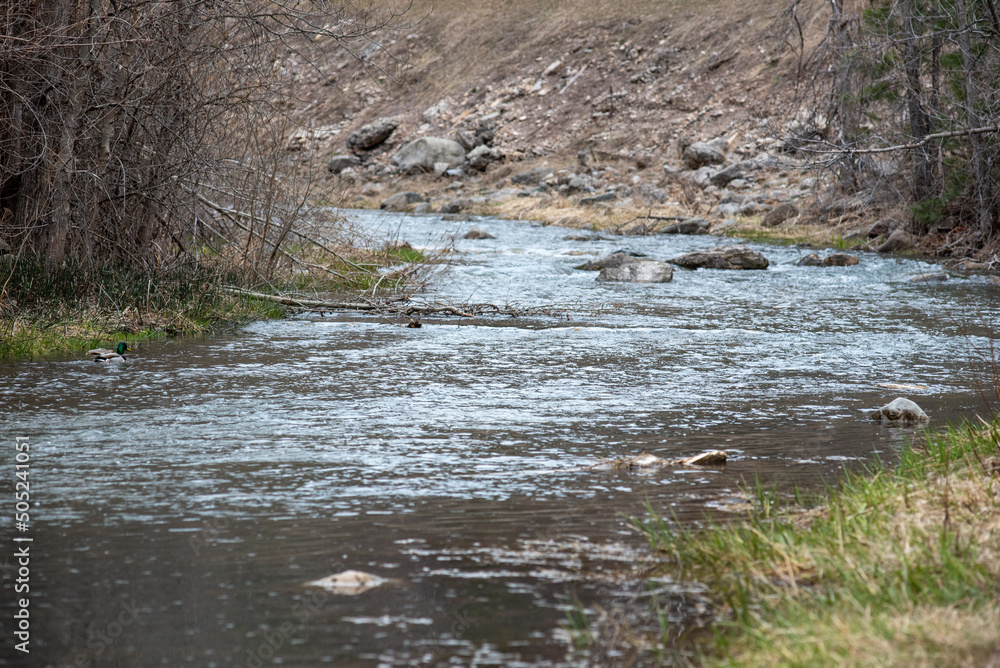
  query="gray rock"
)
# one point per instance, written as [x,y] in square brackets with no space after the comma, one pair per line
[596,199]
[583,157]
[476,233]
[689,226]
[730,173]
[614,259]
[779,214]
[840,260]
[455,206]
[402,201]
[480,157]
[440,168]
[371,135]
[422,207]
[638,270]
[532,176]
[900,410]
[811,260]
[833,260]
[578,183]
[703,153]
[456,173]
[897,241]
[339,163]
[421,154]
[434,112]
[464,137]
[722,257]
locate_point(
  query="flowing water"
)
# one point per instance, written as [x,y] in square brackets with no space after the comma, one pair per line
[182,502]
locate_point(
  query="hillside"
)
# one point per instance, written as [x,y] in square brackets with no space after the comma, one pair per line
[605,94]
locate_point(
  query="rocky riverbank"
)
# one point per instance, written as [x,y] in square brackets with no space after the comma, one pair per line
[634,122]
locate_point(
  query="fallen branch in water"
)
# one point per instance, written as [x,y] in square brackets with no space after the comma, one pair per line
[394,306]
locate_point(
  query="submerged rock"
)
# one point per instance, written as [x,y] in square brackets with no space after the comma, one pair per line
[648,461]
[638,270]
[722,257]
[349,583]
[476,233]
[900,410]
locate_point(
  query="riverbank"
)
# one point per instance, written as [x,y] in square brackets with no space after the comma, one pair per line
[898,567]
[70,309]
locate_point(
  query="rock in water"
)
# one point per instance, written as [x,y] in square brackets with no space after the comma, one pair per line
[476,233]
[722,257]
[371,135]
[349,583]
[614,259]
[840,260]
[900,410]
[421,154]
[638,270]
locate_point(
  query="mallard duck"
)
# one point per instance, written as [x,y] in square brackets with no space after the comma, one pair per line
[105,356]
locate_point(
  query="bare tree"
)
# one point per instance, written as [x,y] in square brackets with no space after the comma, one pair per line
[120,119]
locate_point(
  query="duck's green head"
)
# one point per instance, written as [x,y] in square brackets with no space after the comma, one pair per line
[123,348]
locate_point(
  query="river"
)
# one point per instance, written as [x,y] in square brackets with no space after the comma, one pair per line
[182,502]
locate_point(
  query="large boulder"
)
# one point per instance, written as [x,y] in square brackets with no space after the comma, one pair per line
[369,136]
[722,257]
[900,410]
[614,259]
[638,270]
[421,154]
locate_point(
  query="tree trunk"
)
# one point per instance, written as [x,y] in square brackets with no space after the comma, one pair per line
[980,167]
[920,122]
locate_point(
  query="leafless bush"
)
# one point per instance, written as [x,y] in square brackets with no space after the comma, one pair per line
[137,132]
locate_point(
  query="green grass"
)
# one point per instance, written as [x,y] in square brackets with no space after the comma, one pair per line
[68,309]
[896,567]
